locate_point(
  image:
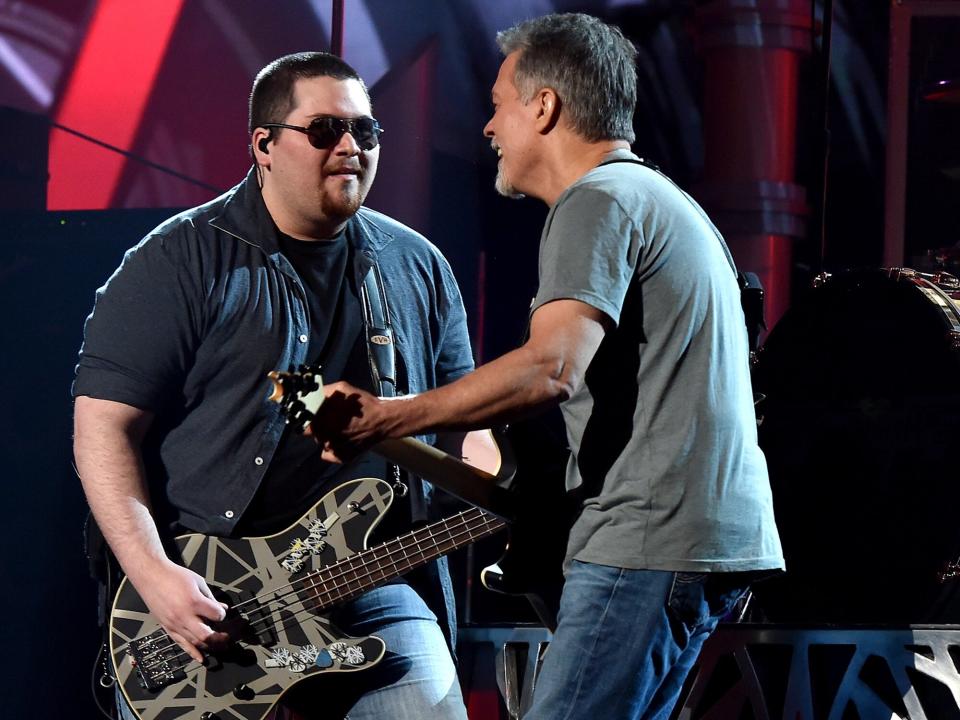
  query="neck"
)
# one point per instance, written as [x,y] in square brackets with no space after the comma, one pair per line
[569,158]
[289,223]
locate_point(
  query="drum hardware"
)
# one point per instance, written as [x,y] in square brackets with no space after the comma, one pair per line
[950,571]
[946,281]
[861,379]
[947,257]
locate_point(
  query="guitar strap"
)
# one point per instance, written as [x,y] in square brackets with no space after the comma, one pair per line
[751,289]
[656,168]
[382,356]
[378,331]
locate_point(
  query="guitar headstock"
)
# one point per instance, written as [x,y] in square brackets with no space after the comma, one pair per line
[299,394]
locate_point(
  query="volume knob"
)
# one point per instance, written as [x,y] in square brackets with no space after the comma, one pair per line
[242,692]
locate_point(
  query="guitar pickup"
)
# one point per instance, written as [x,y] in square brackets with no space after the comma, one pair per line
[246,619]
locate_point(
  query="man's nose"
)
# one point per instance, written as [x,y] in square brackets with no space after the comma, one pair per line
[347,145]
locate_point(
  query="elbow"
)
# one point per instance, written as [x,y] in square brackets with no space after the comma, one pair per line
[556,375]
[564,382]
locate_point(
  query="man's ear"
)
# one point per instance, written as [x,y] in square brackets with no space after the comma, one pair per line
[547,109]
[259,147]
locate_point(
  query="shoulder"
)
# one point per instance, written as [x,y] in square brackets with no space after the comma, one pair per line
[185,236]
[385,229]
[622,183]
[595,205]
[395,241]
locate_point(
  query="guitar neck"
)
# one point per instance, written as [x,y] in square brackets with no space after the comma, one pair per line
[468,483]
[361,572]
[301,394]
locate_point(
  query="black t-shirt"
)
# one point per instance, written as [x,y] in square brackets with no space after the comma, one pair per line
[297,476]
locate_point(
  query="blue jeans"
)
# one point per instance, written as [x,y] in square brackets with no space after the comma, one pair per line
[415,679]
[626,640]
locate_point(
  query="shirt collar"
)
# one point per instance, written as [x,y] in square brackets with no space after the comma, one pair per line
[245,216]
[619,154]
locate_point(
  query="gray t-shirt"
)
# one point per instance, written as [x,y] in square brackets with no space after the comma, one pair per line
[662,431]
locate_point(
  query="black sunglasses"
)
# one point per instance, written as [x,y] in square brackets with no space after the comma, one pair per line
[324,132]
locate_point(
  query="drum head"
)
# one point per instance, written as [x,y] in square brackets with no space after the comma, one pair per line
[859,426]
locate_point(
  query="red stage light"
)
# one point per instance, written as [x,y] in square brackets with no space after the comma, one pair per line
[105,97]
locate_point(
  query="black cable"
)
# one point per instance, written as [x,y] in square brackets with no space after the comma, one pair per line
[102,660]
[140,159]
[106,712]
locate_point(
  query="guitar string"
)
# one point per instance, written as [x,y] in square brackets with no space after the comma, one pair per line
[493,525]
[427,530]
[345,565]
[293,587]
[330,595]
[361,560]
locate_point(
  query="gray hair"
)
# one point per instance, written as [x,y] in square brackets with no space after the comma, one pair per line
[590,65]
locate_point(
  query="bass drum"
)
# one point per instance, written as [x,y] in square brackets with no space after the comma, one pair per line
[859,421]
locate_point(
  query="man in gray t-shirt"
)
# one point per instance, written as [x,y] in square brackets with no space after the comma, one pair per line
[637,333]
[662,431]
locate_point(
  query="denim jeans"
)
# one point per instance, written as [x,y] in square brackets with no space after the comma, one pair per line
[415,679]
[626,640]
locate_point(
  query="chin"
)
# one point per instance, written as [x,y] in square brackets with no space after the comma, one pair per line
[504,187]
[344,206]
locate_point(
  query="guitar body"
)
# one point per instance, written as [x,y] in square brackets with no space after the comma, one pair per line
[542,513]
[532,566]
[527,489]
[280,639]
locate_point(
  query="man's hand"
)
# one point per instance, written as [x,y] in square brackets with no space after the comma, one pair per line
[545,371]
[349,421]
[182,603]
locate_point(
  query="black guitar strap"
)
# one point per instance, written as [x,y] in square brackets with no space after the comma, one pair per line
[378,331]
[656,168]
[751,290]
[382,356]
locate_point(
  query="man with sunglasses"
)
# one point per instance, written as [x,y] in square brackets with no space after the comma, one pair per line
[174,430]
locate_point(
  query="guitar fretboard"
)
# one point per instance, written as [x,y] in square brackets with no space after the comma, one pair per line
[361,572]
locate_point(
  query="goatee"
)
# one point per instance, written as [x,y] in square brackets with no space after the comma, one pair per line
[504,187]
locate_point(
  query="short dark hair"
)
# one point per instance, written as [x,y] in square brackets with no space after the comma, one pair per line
[590,65]
[271,98]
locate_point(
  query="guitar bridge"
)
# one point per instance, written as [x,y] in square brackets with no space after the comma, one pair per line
[158,661]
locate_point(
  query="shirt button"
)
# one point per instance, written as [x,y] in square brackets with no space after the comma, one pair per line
[228,514]
[303,338]
[258,461]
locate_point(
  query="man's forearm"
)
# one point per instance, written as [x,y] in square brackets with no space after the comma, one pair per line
[107,453]
[516,384]
[545,371]
[107,439]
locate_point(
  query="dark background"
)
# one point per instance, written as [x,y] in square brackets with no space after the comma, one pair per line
[430,65]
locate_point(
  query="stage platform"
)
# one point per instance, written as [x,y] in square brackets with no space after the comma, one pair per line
[756,672]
